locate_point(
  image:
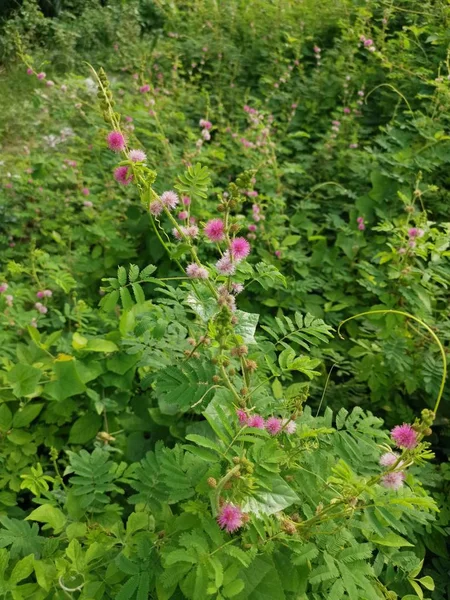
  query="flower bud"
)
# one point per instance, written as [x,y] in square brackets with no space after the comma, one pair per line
[216,379]
[288,527]
[211,482]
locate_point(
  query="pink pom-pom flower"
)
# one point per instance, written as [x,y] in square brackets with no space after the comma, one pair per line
[41,75]
[196,272]
[137,156]
[169,199]
[3,287]
[156,208]
[274,425]
[41,308]
[415,232]
[242,416]
[144,88]
[123,175]
[215,230]
[256,421]
[240,248]
[388,459]
[225,265]
[404,436]
[116,141]
[230,517]
[394,480]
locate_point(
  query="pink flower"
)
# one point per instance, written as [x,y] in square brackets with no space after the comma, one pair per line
[205,124]
[85,191]
[116,141]
[316,49]
[41,75]
[33,322]
[191,231]
[64,88]
[206,135]
[137,156]
[196,272]
[123,175]
[156,208]
[289,426]
[230,517]
[50,83]
[225,265]
[347,111]
[186,200]
[388,459]
[41,308]
[242,416]
[129,119]
[402,250]
[237,288]
[252,194]
[182,215]
[367,42]
[273,425]
[30,71]
[215,230]
[252,227]
[3,287]
[144,88]
[169,199]
[393,480]
[256,421]
[404,436]
[278,253]
[240,248]
[361,226]
[415,232]
[353,146]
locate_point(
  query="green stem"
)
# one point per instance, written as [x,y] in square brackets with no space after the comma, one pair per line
[222,482]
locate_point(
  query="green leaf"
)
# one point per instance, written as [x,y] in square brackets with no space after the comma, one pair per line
[427,582]
[46,513]
[125,296]
[275,498]
[100,345]
[133,273]
[24,379]
[138,293]
[25,415]
[122,275]
[391,539]
[109,301]
[126,591]
[22,569]
[68,382]
[6,418]
[246,326]
[85,428]
[138,521]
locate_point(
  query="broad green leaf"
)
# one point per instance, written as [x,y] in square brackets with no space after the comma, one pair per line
[269,501]
[390,539]
[24,379]
[85,428]
[46,513]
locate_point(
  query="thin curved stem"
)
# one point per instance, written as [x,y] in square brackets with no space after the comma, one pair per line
[427,327]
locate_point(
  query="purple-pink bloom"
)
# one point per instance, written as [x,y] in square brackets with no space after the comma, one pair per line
[278,253]
[242,416]
[215,230]
[30,71]
[137,155]
[205,124]
[289,426]
[230,517]
[41,75]
[404,436]
[182,215]
[388,459]
[415,232]
[368,42]
[256,421]
[123,175]
[252,227]
[274,425]
[393,480]
[9,299]
[85,191]
[347,110]
[240,248]
[237,288]
[156,208]
[196,272]
[169,199]
[116,141]
[50,83]
[186,200]
[225,265]
[144,88]
[41,308]
[3,287]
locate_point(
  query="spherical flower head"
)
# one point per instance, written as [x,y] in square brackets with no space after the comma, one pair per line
[278,253]
[3,287]
[415,232]
[242,416]
[116,141]
[205,124]
[64,88]
[225,265]
[176,234]
[40,294]
[230,518]
[402,250]
[289,426]
[252,193]
[88,204]
[123,175]
[347,110]
[137,156]
[256,421]
[144,88]
[394,480]
[85,191]
[336,123]
[206,135]
[316,49]
[186,200]
[41,75]
[353,146]
[196,272]
[169,199]
[215,230]
[368,42]
[252,227]
[50,83]
[30,71]
[182,215]
[41,308]
[240,248]
[156,208]
[388,459]
[192,231]
[361,226]
[274,425]
[237,288]
[404,436]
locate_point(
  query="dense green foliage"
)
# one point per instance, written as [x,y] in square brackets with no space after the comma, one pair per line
[327,148]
